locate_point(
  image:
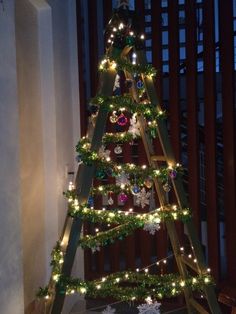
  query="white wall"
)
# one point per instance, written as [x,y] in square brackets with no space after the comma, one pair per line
[11,283]
[49,128]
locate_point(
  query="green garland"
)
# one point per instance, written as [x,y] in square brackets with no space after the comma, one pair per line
[119,138]
[123,64]
[105,167]
[110,236]
[130,286]
[116,103]
[117,216]
[128,222]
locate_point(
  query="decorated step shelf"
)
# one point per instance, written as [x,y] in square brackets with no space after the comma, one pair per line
[133,111]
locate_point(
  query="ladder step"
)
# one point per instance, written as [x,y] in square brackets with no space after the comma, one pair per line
[190,263]
[198,306]
[158,158]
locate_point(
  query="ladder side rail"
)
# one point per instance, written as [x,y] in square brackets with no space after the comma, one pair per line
[149,150]
[179,189]
[83,183]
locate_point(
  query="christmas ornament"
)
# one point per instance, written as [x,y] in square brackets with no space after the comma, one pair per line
[152,226]
[166,187]
[173,174]
[109,310]
[139,84]
[122,120]
[103,152]
[117,82]
[122,179]
[148,183]
[90,201]
[149,308]
[122,197]
[143,198]
[130,40]
[100,174]
[134,126]
[96,248]
[135,189]
[110,200]
[113,117]
[118,150]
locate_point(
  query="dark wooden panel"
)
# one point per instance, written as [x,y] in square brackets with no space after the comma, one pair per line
[107,11]
[93,45]
[161,236]
[192,112]
[210,137]
[82,98]
[130,240]
[174,108]
[145,238]
[156,45]
[227,72]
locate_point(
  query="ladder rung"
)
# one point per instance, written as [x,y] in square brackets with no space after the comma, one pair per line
[198,306]
[190,263]
[158,158]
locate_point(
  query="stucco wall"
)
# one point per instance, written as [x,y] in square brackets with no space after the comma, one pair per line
[11,283]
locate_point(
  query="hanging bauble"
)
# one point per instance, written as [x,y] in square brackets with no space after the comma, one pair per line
[148,183]
[113,117]
[100,174]
[166,187]
[135,189]
[173,174]
[128,83]
[139,84]
[118,150]
[109,172]
[90,201]
[130,40]
[122,197]
[122,120]
[110,201]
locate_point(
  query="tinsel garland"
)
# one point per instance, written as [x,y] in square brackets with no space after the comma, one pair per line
[122,64]
[113,103]
[116,216]
[118,138]
[130,286]
[111,168]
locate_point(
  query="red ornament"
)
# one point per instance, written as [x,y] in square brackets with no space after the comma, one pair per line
[122,198]
[122,120]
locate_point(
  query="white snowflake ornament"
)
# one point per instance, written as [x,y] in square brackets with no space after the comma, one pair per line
[95,248]
[109,310]
[134,127]
[104,153]
[142,198]
[150,307]
[117,82]
[122,179]
[152,225]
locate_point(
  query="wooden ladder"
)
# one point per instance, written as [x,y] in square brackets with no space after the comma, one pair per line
[72,227]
